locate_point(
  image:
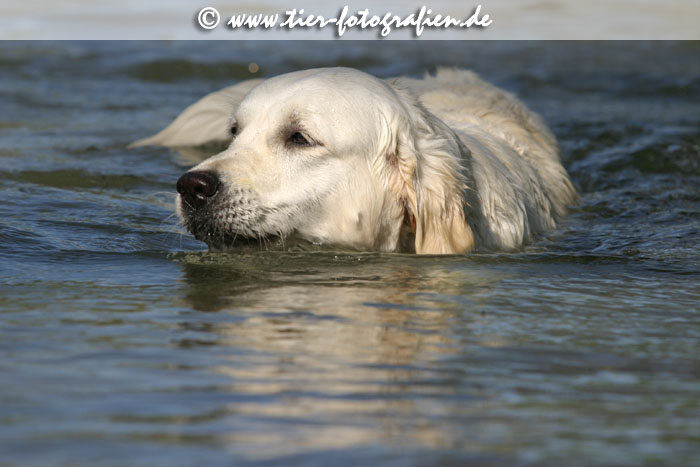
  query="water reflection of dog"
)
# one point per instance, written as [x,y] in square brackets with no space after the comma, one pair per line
[342,339]
[377,309]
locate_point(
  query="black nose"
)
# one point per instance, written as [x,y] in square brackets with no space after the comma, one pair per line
[196,188]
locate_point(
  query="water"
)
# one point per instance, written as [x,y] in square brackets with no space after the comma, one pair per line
[124,341]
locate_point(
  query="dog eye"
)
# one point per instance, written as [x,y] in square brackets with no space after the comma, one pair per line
[234,130]
[298,139]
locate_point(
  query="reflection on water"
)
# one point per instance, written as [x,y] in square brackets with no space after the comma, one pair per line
[124,342]
[350,338]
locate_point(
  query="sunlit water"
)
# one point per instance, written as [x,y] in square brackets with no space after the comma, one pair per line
[124,341]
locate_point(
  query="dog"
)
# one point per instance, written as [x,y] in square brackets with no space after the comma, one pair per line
[334,156]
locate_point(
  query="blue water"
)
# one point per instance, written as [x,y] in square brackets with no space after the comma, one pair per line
[125,342]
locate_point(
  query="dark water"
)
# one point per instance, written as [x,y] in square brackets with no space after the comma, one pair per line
[124,342]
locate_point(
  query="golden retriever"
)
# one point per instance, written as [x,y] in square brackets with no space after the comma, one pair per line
[339,158]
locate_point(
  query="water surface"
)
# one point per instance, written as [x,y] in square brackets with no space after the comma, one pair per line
[124,341]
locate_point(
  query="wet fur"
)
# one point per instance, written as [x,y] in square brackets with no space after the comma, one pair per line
[440,165]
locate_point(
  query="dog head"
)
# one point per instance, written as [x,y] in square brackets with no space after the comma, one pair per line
[335,157]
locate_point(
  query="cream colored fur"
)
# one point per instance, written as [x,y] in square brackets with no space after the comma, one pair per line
[436,165]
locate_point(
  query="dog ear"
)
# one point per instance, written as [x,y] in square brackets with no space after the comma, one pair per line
[428,164]
[205,121]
